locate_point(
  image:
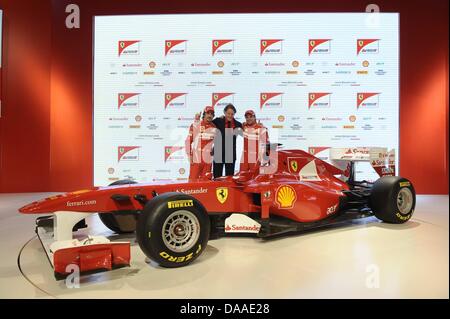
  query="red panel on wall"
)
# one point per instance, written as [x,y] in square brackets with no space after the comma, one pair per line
[25,121]
[55,154]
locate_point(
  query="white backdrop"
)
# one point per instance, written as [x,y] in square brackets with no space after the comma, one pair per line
[315,80]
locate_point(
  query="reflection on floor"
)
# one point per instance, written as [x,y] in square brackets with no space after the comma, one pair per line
[364,259]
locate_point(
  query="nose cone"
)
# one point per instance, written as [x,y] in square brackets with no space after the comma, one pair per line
[54,203]
[41,206]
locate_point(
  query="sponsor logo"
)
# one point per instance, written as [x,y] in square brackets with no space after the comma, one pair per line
[221,99]
[367,100]
[295,64]
[270,100]
[367,46]
[271,46]
[281,118]
[181,171]
[222,194]
[285,197]
[81,203]
[175,100]
[242,228]
[200,190]
[128,100]
[129,47]
[175,47]
[403,217]
[365,63]
[352,118]
[171,258]
[319,46]
[220,64]
[111,170]
[332,209]
[319,100]
[222,47]
[293,166]
[180,203]
[128,153]
[131,65]
[240,223]
[200,65]
[405,184]
[170,150]
[345,64]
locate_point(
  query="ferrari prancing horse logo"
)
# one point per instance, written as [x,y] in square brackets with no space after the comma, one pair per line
[294,165]
[222,194]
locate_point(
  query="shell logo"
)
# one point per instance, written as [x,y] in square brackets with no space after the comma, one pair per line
[285,197]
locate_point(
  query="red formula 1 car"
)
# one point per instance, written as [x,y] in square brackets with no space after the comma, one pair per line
[293,192]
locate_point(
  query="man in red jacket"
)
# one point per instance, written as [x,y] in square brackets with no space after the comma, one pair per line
[199,144]
[256,138]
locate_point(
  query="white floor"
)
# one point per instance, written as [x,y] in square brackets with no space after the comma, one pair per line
[364,259]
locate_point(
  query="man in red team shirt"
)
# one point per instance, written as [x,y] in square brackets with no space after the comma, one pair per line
[199,144]
[256,138]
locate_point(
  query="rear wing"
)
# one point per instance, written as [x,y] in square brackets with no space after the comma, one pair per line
[382,160]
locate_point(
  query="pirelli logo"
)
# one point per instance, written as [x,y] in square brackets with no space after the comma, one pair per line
[180,203]
[405,184]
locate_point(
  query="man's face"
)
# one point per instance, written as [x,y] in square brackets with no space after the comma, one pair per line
[209,116]
[250,119]
[229,114]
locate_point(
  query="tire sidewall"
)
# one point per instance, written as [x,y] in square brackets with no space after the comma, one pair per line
[383,199]
[150,229]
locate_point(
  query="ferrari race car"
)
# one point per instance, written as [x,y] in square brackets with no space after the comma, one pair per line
[293,191]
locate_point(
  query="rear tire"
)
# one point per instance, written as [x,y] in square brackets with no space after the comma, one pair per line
[173,229]
[108,219]
[393,199]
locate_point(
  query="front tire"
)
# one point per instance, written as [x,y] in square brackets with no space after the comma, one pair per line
[173,229]
[393,199]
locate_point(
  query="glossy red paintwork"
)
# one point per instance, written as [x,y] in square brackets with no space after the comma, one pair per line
[92,257]
[303,200]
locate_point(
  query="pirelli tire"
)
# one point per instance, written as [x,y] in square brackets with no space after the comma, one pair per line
[108,219]
[173,229]
[393,199]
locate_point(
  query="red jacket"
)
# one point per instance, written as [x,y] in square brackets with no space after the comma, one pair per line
[200,139]
[256,137]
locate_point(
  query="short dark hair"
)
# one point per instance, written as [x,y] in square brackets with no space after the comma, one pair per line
[229,106]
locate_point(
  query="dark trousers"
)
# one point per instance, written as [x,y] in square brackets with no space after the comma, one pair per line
[218,169]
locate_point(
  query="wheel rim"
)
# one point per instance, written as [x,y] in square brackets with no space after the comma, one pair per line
[181,231]
[404,201]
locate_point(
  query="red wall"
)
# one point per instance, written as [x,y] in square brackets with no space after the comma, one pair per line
[46,128]
[25,118]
